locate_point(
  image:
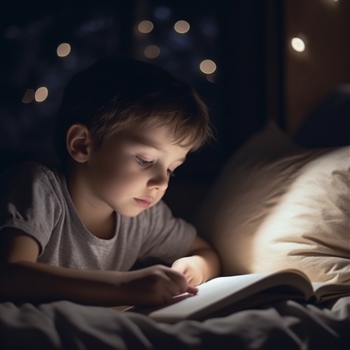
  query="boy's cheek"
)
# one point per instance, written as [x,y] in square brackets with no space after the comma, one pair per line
[112,173]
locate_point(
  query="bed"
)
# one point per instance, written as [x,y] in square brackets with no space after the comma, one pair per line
[276,204]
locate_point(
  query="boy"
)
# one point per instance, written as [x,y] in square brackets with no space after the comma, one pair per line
[123,128]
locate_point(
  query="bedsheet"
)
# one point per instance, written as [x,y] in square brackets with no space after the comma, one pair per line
[282,325]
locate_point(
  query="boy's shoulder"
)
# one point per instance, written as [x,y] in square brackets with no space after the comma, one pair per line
[29,174]
[28,169]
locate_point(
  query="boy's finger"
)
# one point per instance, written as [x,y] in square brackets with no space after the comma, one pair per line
[192,290]
[180,279]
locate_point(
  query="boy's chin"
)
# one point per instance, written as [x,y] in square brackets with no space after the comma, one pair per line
[131,213]
[133,209]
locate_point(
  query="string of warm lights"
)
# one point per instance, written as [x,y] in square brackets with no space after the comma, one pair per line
[40,95]
[145,27]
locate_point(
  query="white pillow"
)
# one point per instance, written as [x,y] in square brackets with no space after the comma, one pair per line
[278,206]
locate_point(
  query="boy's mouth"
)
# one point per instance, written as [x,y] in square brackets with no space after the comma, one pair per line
[144,203]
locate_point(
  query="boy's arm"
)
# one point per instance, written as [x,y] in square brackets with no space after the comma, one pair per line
[25,280]
[201,263]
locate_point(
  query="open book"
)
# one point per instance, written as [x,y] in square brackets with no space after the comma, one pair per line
[224,295]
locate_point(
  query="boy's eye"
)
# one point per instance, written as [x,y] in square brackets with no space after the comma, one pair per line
[143,162]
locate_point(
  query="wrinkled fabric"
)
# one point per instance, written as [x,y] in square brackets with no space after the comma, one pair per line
[281,325]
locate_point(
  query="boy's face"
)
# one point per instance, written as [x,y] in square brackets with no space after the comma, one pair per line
[131,171]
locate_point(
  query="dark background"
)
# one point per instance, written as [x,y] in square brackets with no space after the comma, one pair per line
[231,33]
[247,39]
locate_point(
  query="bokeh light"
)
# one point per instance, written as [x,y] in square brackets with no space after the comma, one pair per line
[63,50]
[145,27]
[298,44]
[28,96]
[41,94]
[152,51]
[207,66]
[182,27]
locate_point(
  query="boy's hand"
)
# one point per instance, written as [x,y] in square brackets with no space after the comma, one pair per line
[153,285]
[192,268]
[201,263]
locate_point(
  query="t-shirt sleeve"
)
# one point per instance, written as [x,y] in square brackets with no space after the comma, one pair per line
[29,201]
[168,238]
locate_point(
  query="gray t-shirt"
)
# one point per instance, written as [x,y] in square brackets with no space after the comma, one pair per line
[36,200]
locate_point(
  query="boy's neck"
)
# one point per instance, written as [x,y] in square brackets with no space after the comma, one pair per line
[103,229]
[99,220]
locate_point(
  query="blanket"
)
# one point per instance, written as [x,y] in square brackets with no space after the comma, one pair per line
[284,324]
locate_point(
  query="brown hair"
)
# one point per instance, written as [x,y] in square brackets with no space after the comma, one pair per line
[117,93]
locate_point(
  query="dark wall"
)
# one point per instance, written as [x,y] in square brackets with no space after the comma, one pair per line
[232,33]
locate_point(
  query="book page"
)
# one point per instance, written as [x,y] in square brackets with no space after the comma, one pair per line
[326,290]
[224,291]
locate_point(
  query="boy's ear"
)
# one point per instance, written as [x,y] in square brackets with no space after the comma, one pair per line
[78,142]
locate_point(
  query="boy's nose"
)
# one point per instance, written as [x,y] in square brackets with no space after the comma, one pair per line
[159,181]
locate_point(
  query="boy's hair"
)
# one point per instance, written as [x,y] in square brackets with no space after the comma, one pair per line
[117,93]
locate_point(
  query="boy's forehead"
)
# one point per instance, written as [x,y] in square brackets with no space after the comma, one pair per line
[144,139]
[153,137]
